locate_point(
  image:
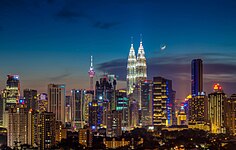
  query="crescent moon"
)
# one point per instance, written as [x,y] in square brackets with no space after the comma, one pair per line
[163,47]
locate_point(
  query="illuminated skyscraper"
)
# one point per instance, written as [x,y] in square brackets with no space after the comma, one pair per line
[131,70]
[198,109]
[216,109]
[18,127]
[197,77]
[56,101]
[91,73]
[42,102]
[44,130]
[12,92]
[10,96]
[77,107]
[163,102]
[141,67]
[123,105]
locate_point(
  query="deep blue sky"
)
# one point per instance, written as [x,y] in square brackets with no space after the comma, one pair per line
[50,41]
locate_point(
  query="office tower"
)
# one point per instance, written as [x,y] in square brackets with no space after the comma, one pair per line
[163,102]
[146,103]
[198,109]
[216,109]
[10,96]
[41,102]
[131,70]
[30,97]
[133,113]
[77,107]
[197,77]
[44,130]
[230,115]
[18,126]
[141,67]
[11,93]
[123,106]
[56,101]
[91,73]
[104,95]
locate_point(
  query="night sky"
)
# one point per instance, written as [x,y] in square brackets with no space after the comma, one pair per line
[50,41]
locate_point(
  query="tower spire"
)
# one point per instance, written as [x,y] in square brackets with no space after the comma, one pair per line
[91,73]
[141,38]
[131,69]
[91,66]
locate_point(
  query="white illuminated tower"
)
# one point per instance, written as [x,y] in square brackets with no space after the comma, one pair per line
[141,67]
[91,73]
[131,70]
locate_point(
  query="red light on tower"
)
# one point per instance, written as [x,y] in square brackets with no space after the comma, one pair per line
[217,87]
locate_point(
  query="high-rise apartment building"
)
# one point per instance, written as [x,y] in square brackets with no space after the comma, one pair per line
[198,109]
[56,101]
[44,130]
[18,127]
[216,109]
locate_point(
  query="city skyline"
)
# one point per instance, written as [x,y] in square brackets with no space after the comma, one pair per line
[51,41]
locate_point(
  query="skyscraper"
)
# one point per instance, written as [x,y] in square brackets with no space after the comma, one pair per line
[44,130]
[10,96]
[146,103]
[91,73]
[131,70]
[56,101]
[198,109]
[123,105]
[163,102]
[197,77]
[230,115]
[141,67]
[216,109]
[11,93]
[77,107]
[30,97]
[18,126]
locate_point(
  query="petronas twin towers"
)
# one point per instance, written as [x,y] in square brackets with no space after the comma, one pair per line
[136,67]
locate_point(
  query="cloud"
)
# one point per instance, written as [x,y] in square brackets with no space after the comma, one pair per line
[105,25]
[59,77]
[69,14]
